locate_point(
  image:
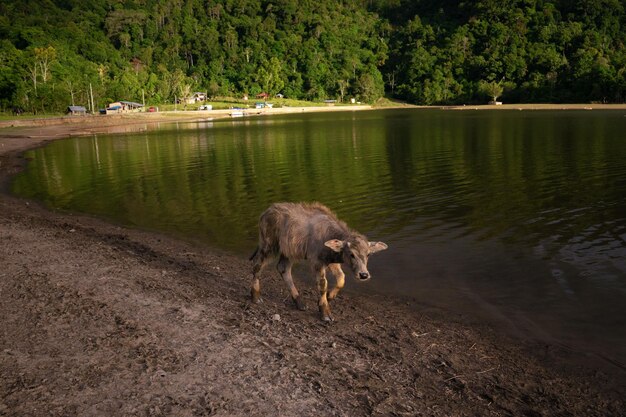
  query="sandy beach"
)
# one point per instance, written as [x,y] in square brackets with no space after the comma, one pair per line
[542,106]
[102,320]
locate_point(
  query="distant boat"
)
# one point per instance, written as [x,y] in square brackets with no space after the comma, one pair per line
[237,112]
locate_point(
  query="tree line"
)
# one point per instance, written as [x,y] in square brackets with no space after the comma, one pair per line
[55,53]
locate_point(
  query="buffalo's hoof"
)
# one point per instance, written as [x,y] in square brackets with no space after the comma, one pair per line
[327,318]
[255,297]
[299,303]
[325,314]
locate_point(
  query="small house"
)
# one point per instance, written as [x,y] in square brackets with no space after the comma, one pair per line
[263,96]
[76,110]
[123,107]
[195,98]
[199,96]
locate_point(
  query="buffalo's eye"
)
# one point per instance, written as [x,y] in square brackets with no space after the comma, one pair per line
[352,255]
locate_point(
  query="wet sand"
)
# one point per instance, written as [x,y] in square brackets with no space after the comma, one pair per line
[104,320]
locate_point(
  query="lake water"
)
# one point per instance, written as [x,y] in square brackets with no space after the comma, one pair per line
[516,218]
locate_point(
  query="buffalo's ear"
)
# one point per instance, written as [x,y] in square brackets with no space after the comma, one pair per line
[377,246]
[335,244]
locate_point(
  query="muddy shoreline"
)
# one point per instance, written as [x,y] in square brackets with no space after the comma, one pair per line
[99,319]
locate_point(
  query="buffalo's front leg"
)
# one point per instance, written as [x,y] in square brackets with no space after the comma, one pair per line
[284,268]
[340,279]
[322,286]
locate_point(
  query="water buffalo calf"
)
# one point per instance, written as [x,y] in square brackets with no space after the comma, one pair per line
[310,231]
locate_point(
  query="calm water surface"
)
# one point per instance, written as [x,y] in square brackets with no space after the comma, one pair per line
[518,218]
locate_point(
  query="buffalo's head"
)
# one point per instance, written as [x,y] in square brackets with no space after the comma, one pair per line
[356,252]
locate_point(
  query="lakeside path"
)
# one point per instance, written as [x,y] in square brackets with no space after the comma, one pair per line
[103,320]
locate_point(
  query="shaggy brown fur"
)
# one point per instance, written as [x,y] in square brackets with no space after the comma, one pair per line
[310,231]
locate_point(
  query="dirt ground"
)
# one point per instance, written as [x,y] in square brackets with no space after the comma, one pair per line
[100,320]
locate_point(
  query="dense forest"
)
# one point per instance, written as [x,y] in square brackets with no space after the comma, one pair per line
[54,53]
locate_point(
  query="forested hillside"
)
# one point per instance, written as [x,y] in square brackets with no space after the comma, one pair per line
[443,51]
[427,52]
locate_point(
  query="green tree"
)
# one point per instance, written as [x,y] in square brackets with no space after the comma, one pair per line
[44,58]
[370,86]
[492,89]
[269,76]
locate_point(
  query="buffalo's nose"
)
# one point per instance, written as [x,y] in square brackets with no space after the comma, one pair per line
[364,275]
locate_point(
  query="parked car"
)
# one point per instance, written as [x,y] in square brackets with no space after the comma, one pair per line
[205,107]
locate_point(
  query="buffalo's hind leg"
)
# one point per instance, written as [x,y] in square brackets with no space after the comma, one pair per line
[260,260]
[284,268]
